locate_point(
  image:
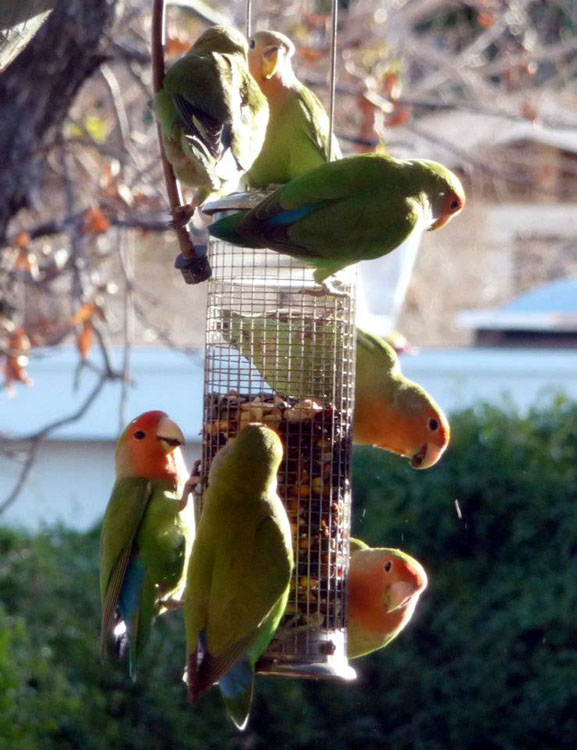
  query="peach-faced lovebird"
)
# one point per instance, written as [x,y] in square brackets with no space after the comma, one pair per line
[297,135]
[212,113]
[239,571]
[392,412]
[349,210]
[146,541]
[384,588]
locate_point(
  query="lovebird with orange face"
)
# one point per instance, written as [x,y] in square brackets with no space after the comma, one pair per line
[146,537]
[392,412]
[384,588]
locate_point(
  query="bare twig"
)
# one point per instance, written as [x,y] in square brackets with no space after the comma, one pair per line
[163,334]
[172,188]
[148,223]
[126,256]
[424,102]
[76,243]
[118,105]
[36,439]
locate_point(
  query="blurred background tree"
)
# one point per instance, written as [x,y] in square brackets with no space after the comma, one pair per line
[82,207]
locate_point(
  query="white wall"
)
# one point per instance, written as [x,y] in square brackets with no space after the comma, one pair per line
[72,477]
[70,483]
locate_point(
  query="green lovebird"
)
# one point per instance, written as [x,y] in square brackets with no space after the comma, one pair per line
[393,412]
[384,588]
[288,352]
[212,113]
[146,540]
[239,571]
[349,210]
[297,135]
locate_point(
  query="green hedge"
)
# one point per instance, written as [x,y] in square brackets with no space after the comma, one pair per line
[490,660]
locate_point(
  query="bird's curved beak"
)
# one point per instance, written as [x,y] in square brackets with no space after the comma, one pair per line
[440,222]
[427,456]
[270,61]
[169,434]
[399,593]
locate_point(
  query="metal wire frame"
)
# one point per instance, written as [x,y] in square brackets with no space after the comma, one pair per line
[279,355]
[286,358]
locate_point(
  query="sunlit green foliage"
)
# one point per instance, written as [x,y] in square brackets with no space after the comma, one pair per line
[489,661]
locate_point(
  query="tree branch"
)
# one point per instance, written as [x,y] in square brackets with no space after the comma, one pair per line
[37,90]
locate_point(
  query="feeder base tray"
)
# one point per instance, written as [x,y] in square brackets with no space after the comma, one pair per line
[272,668]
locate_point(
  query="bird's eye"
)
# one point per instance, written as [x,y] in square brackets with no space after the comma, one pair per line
[455,204]
[388,565]
[139,435]
[433,424]
[252,44]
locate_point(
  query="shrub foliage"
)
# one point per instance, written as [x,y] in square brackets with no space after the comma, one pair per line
[490,660]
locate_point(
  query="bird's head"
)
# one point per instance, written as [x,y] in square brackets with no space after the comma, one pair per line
[223,39]
[269,55]
[444,191]
[385,579]
[253,457]
[426,428]
[149,447]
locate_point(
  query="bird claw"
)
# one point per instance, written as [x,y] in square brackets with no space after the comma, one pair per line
[191,486]
[172,604]
[181,215]
[328,288]
[292,626]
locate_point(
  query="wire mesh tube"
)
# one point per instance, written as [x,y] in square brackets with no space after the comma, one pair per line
[277,354]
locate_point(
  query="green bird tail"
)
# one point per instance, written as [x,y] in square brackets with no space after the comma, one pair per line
[226,229]
[141,626]
[237,687]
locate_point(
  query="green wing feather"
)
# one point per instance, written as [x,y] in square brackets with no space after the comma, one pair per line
[373,350]
[318,132]
[274,343]
[246,590]
[345,211]
[143,525]
[239,572]
[212,114]
[126,507]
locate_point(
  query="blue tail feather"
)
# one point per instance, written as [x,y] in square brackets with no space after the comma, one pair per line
[290,217]
[130,593]
[236,687]
[225,229]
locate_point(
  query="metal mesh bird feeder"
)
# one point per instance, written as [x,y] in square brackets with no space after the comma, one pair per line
[277,354]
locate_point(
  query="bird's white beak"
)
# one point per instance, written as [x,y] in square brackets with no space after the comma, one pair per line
[169,434]
[427,456]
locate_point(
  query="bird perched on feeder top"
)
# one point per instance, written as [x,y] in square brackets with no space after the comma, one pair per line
[384,588]
[297,135]
[349,210]
[392,412]
[212,114]
[146,539]
[239,571]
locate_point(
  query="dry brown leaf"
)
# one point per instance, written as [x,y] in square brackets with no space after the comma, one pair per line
[95,221]
[85,340]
